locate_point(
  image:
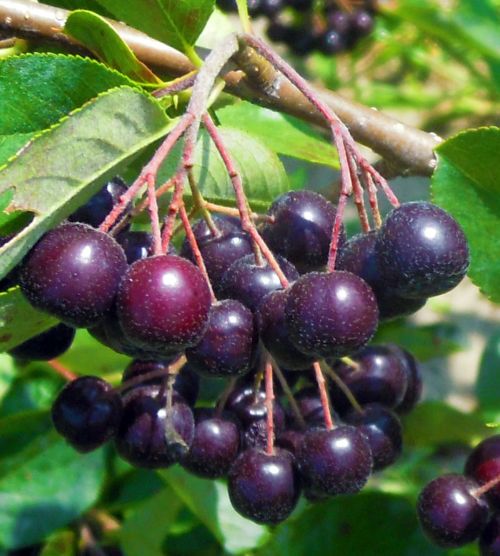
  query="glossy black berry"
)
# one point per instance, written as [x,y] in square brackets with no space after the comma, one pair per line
[45,346]
[359,255]
[228,345]
[489,542]
[152,437]
[163,303]
[331,314]
[271,8]
[302,228]
[94,211]
[423,251]
[336,461]
[264,488]
[273,331]
[290,439]
[449,512]
[377,376]
[73,273]
[136,245]
[339,21]
[483,465]
[215,444]
[383,430]
[249,282]
[87,412]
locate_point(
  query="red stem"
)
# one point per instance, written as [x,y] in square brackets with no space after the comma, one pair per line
[61,370]
[195,248]
[320,379]
[173,209]
[483,489]
[241,200]
[269,408]
[337,228]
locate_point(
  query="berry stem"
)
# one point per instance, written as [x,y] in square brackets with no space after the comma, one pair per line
[269,408]
[358,195]
[290,397]
[320,380]
[154,216]
[337,227]
[201,205]
[241,201]
[372,199]
[173,209]
[345,389]
[230,211]
[177,85]
[195,249]
[62,370]
[483,489]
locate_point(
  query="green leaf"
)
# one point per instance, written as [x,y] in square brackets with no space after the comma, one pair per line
[175,22]
[209,501]
[48,491]
[19,321]
[361,525]
[262,172]
[10,144]
[488,380]
[67,164]
[437,424]
[467,184]
[37,90]
[281,133]
[61,543]
[7,374]
[156,516]
[94,32]
[424,342]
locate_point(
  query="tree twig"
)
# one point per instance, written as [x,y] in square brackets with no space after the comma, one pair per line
[402,146]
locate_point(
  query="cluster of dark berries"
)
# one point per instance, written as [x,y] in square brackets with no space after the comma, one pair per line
[154,421]
[455,509]
[177,325]
[304,26]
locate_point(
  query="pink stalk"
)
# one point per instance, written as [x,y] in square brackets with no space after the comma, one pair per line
[154,217]
[195,248]
[320,379]
[269,408]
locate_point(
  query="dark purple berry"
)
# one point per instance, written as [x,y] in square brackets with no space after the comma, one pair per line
[483,465]
[215,444]
[302,228]
[277,31]
[274,334]
[227,5]
[301,5]
[263,487]
[423,251]
[449,512]
[336,461]
[45,346]
[163,303]
[339,21]
[152,436]
[135,245]
[271,8]
[331,314]
[249,282]
[414,379]
[73,273]
[250,406]
[331,42]
[309,402]
[228,346]
[186,383]
[383,430]
[225,225]
[362,23]
[87,412]
[94,211]
[359,255]
[377,376]
[489,542]
[290,439]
